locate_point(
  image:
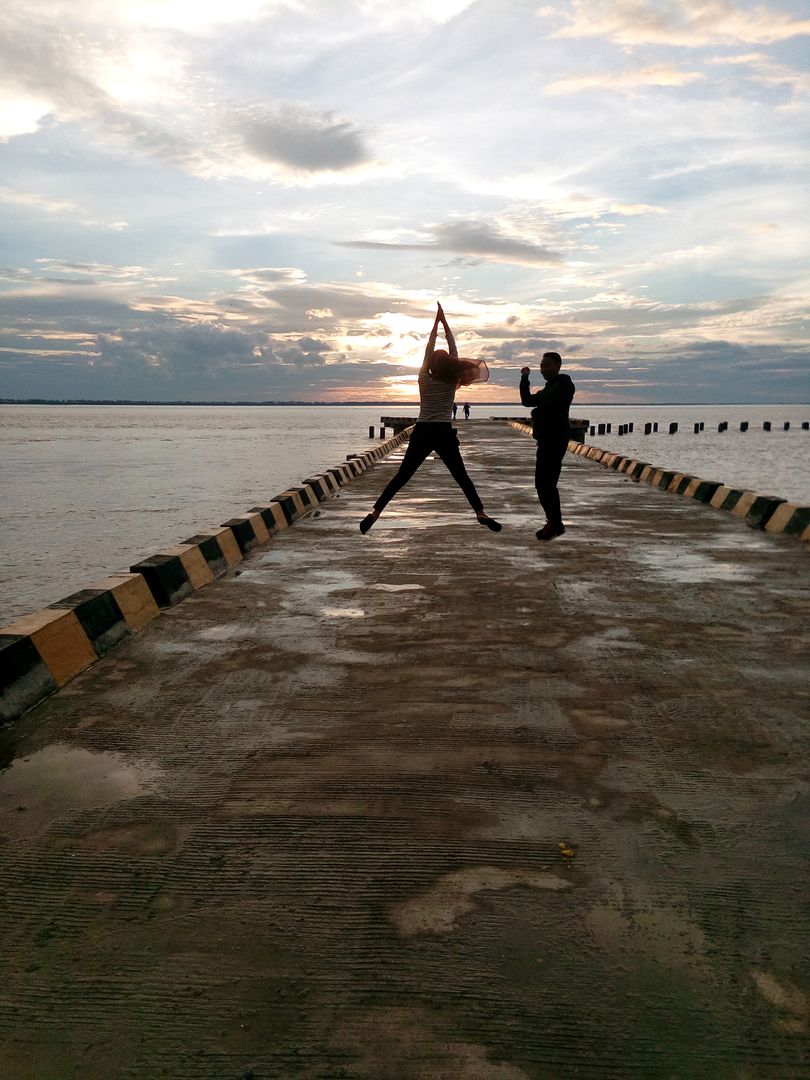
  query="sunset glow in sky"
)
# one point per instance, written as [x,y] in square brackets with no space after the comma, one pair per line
[263,199]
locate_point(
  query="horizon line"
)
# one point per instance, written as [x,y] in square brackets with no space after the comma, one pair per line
[387,404]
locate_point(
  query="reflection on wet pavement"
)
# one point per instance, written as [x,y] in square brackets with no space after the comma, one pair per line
[396,588]
[227,632]
[676,564]
[39,789]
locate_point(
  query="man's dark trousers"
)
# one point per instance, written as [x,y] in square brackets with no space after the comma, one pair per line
[546,474]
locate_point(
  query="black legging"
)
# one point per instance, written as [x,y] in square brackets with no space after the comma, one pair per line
[546,474]
[426,437]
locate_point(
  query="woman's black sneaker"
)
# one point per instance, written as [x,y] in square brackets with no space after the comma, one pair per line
[491,523]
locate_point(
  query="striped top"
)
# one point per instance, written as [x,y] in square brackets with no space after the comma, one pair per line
[435,396]
[436,399]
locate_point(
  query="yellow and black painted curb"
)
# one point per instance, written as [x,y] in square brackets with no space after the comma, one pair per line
[42,651]
[273,516]
[248,529]
[767,512]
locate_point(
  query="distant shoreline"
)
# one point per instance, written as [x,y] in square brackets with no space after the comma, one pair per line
[402,404]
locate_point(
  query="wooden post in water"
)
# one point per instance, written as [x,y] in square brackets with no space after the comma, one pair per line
[805,425]
[673,427]
[371,431]
[766,425]
[744,425]
[723,425]
[647,429]
[786,426]
[655,426]
[697,428]
[608,427]
[600,429]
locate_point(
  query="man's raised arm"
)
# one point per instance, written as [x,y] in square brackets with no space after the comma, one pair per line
[527,398]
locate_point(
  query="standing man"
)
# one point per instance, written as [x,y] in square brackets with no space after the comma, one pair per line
[550,428]
[466,410]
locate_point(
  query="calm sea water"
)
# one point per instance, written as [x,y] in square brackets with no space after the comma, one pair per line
[86,490]
[775,462]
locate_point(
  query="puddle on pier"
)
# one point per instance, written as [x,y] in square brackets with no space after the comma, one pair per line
[685,567]
[397,588]
[38,789]
[227,632]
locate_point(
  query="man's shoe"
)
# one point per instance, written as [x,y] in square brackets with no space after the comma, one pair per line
[549,531]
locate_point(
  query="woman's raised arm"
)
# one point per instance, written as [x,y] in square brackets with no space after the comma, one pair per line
[431,342]
[448,333]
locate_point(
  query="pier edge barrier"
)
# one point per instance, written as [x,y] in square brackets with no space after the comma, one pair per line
[42,651]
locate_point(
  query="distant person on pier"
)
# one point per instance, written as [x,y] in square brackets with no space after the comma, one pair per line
[442,372]
[455,410]
[466,410]
[549,407]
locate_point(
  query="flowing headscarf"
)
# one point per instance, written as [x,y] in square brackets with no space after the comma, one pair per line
[471,371]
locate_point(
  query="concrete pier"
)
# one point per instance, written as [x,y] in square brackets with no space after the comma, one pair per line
[429,803]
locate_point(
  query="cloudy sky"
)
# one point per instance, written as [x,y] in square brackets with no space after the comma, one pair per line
[263,199]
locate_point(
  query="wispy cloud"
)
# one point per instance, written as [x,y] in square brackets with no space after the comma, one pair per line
[654,75]
[471,238]
[62,270]
[762,69]
[689,22]
[37,202]
[479,240]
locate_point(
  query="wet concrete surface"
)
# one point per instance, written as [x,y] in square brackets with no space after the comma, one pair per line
[432,803]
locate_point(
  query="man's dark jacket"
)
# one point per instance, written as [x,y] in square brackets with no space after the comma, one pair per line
[550,412]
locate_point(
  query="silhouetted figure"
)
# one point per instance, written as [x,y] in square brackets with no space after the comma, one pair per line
[442,372]
[466,411]
[455,410]
[550,429]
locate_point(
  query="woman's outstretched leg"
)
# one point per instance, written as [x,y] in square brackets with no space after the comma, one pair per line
[418,449]
[450,454]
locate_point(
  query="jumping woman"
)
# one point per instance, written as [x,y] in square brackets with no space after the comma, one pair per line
[442,372]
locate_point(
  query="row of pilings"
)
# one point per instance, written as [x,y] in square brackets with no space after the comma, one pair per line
[651,428]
